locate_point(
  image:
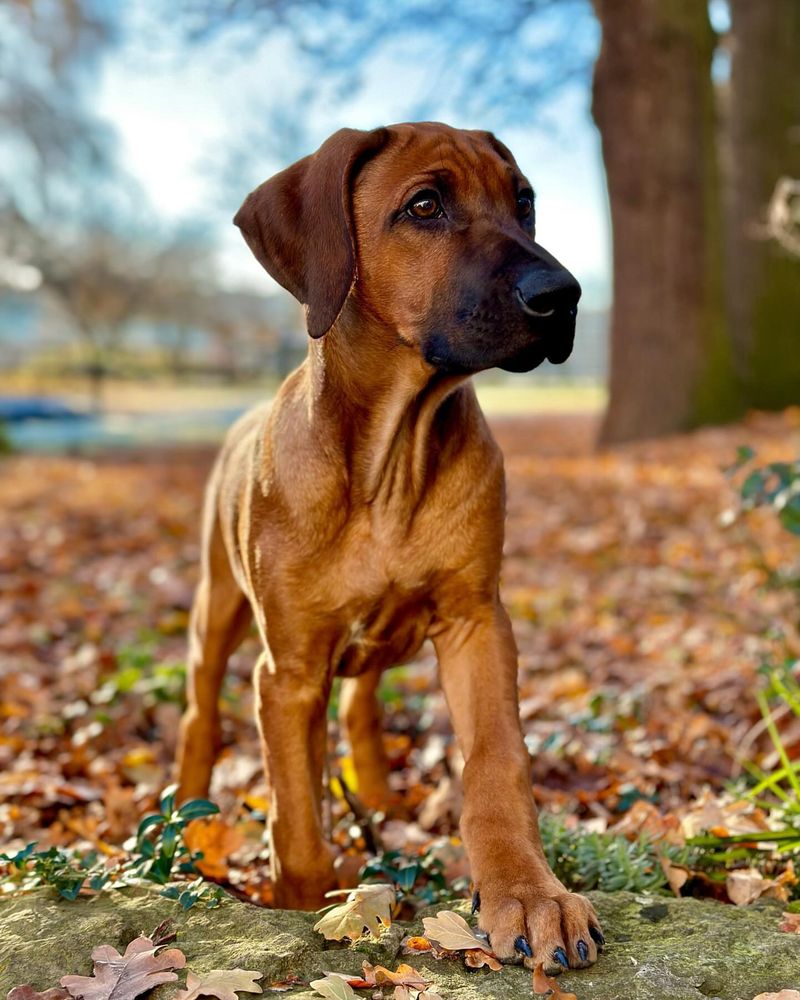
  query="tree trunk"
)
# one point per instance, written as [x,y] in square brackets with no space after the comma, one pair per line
[762,143]
[653,101]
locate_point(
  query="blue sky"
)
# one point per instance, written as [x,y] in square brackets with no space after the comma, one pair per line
[178,116]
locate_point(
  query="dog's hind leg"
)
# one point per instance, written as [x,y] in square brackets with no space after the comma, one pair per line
[219,621]
[291,706]
[361,715]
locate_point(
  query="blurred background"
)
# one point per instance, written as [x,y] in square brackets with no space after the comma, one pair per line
[663,140]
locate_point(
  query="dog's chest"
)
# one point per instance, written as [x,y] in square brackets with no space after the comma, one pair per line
[390,636]
[387,614]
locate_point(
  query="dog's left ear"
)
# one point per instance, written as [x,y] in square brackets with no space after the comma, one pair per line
[299,224]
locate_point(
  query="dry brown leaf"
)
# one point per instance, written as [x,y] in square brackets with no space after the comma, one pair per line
[404,976]
[123,977]
[428,995]
[379,975]
[451,931]
[164,933]
[783,995]
[220,983]
[748,884]
[366,906]
[676,875]
[27,992]
[790,923]
[217,840]
[476,958]
[334,988]
[284,985]
[713,812]
[547,986]
[357,982]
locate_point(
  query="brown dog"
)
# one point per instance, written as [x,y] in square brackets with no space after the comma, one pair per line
[363,513]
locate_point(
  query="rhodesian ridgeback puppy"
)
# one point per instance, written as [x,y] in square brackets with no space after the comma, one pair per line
[363,512]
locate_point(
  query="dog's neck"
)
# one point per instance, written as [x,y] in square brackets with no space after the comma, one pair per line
[388,403]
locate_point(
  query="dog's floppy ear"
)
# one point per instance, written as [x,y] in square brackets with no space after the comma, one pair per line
[299,224]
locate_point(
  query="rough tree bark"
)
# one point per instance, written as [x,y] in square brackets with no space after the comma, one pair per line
[653,101]
[762,144]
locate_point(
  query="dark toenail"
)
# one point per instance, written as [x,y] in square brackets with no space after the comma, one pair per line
[583,951]
[597,936]
[561,956]
[476,901]
[521,944]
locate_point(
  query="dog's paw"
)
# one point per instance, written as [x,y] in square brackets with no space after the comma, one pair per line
[543,926]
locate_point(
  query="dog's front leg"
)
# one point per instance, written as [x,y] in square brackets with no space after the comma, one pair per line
[524,908]
[291,704]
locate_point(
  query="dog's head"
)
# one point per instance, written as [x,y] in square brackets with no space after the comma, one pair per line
[428,230]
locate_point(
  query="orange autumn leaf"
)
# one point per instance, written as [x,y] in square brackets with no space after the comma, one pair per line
[476,958]
[404,976]
[547,986]
[217,840]
[417,944]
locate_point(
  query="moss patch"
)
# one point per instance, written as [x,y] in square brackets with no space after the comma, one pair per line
[657,948]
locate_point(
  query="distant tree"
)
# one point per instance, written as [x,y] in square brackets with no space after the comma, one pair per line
[671,358]
[763,146]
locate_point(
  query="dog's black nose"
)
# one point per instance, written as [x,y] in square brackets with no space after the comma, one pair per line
[544,291]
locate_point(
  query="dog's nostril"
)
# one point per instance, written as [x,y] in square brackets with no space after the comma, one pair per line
[542,295]
[532,306]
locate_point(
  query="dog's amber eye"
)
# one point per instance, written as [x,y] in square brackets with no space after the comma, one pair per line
[524,204]
[425,205]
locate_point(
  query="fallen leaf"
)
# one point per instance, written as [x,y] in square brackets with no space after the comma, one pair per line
[676,875]
[379,975]
[357,982]
[547,986]
[367,906]
[26,992]
[748,884]
[452,931]
[476,958]
[783,995]
[220,983]
[428,995]
[417,944]
[710,812]
[334,988]
[404,976]
[284,985]
[164,933]
[216,840]
[123,977]
[790,923]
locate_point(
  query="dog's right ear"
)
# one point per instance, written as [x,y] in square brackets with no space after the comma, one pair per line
[299,224]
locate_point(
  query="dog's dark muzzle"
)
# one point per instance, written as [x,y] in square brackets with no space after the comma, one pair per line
[547,295]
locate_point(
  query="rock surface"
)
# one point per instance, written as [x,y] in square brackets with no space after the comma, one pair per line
[657,948]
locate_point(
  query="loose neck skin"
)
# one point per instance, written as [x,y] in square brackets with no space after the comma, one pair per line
[363,378]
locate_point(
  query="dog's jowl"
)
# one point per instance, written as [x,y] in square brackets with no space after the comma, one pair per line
[363,511]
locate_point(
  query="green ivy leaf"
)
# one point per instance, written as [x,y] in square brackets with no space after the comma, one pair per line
[196,809]
[166,802]
[149,821]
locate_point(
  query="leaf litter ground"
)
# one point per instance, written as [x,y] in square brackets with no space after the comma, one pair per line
[642,618]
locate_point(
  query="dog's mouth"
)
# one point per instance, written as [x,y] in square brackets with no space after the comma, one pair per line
[554,346]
